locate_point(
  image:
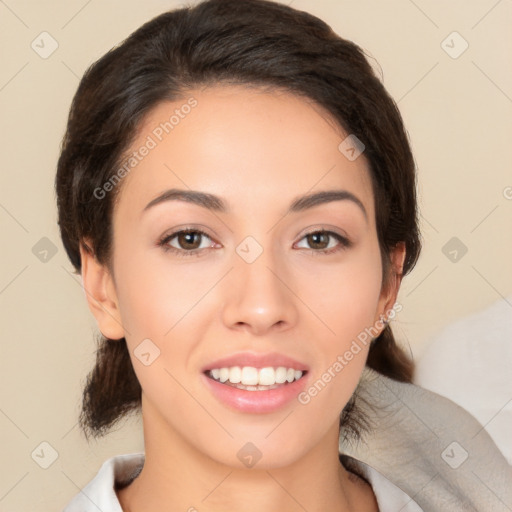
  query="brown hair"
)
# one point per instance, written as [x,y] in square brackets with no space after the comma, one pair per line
[251,42]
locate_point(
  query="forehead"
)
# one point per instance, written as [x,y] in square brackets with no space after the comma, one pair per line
[253,147]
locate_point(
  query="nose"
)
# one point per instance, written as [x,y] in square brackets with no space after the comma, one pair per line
[258,297]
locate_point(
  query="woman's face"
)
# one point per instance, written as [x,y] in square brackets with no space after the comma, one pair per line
[261,292]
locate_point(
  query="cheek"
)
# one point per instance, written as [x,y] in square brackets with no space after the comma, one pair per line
[160,302]
[345,299]
[154,295]
[171,305]
[345,296]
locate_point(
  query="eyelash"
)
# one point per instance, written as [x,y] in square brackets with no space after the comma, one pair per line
[164,243]
[344,243]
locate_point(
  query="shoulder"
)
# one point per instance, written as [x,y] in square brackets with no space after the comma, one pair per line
[469,362]
[429,447]
[390,498]
[100,492]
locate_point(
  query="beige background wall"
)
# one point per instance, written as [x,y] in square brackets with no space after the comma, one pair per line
[458,113]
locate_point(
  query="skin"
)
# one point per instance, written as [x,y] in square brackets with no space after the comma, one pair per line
[258,151]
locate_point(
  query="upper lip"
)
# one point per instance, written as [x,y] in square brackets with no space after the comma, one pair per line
[256,360]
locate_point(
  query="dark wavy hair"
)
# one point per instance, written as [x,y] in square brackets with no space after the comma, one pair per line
[245,42]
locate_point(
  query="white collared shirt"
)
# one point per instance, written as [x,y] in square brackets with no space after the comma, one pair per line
[99,494]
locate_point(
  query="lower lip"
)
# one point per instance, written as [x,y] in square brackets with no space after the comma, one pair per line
[255,401]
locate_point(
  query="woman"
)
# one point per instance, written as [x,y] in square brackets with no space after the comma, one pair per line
[237,190]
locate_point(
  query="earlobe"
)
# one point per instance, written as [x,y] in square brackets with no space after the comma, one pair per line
[100,293]
[390,291]
[397,267]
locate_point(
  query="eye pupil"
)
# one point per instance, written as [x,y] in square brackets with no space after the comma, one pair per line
[318,239]
[186,240]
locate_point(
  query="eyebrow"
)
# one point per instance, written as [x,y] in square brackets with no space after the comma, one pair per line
[215,203]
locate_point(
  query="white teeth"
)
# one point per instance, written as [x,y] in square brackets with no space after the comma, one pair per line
[223,374]
[267,376]
[235,375]
[249,376]
[254,379]
[281,375]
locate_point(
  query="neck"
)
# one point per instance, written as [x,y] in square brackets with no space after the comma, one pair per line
[177,476]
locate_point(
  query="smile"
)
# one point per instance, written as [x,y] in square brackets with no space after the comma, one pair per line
[250,378]
[248,389]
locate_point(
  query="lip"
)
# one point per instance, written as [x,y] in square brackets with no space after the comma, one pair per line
[256,402]
[257,361]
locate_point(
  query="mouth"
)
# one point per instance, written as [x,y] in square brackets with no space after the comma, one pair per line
[250,378]
[249,382]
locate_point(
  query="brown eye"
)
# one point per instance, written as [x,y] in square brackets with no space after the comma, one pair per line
[319,240]
[186,242]
[324,242]
[189,240]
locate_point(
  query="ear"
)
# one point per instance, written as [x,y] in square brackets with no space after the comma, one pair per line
[391,286]
[99,288]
